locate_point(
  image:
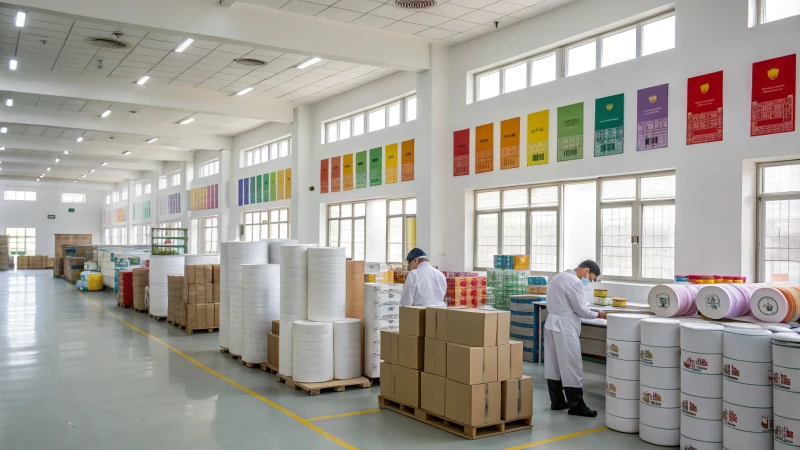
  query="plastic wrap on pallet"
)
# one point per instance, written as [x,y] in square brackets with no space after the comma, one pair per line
[261,304]
[327,296]
[224,300]
[346,349]
[294,300]
[312,351]
[381,312]
[240,253]
[161,266]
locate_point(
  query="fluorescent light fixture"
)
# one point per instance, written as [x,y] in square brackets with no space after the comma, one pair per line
[66,152]
[48,169]
[2,148]
[151,140]
[184,45]
[80,139]
[143,80]
[126,152]
[9,102]
[104,163]
[37,179]
[309,62]
[92,171]
[12,64]
[20,21]
[3,130]
[106,113]
[58,159]
[74,181]
[83,176]
[245,90]
[42,175]
[186,121]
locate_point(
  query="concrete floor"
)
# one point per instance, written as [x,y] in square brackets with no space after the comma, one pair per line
[76,374]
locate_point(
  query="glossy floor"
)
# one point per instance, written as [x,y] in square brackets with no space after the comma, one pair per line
[77,372]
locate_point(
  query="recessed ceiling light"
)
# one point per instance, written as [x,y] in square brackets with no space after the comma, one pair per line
[83,176]
[143,80]
[37,179]
[42,175]
[309,62]
[20,21]
[3,130]
[48,169]
[58,159]
[151,140]
[9,102]
[12,64]
[245,90]
[2,148]
[80,139]
[186,121]
[74,181]
[184,45]
[66,152]
[126,152]
[104,164]
[106,113]
[92,171]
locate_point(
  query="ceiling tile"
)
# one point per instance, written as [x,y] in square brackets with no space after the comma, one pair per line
[475,4]
[405,27]
[527,2]
[449,10]
[436,33]
[481,17]
[237,49]
[391,12]
[323,2]
[363,6]
[208,45]
[341,15]
[183,83]
[166,38]
[263,53]
[504,8]
[507,21]
[159,45]
[149,52]
[301,7]
[457,25]
[373,21]
[423,18]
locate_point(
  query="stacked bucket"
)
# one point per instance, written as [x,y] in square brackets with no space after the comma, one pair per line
[701,386]
[786,390]
[660,355]
[622,372]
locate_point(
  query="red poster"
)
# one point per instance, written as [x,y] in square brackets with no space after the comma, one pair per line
[461,153]
[323,176]
[336,174]
[772,108]
[704,109]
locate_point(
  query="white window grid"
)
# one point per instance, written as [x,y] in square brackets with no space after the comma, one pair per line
[269,224]
[772,10]
[209,168]
[399,211]
[115,196]
[347,227]
[73,198]
[174,224]
[369,120]
[106,236]
[108,199]
[119,236]
[25,196]
[276,149]
[140,235]
[138,188]
[162,182]
[21,241]
[211,235]
[778,205]
[148,188]
[174,178]
[124,194]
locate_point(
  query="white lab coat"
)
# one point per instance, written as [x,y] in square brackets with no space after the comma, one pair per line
[562,345]
[425,286]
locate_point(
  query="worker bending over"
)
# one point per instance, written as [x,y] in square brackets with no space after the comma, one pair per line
[425,286]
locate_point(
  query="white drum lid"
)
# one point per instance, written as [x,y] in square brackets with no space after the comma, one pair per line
[701,337]
[660,331]
[624,327]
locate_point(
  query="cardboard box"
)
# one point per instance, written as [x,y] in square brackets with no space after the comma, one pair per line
[432,393]
[200,293]
[208,274]
[390,346]
[436,357]
[412,351]
[476,404]
[216,277]
[215,292]
[354,289]
[435,323]
[210,315]
[201,315]
[412,320]
[216,317]
[516,351]
[471,365]
[504,362]
[405,385]
[478,327]
[190,274]
[503,327]
[276,327]
[273,348]
[517,398]
[191,316]
[387,388]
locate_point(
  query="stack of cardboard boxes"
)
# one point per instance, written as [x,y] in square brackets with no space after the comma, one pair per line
[140,281]
[33,262]
[73,266]
[200,308]
[174,298]
[5,257]
[457,364]
[273,344]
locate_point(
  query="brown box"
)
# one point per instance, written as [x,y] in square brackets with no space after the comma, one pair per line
[273,349]
[191,316]
[210,315]
[202,316]
[215,292]
[354,289]
[190,274]
[515,349]
[207,272]
[476,404]
[504,362]
[433,315]
[200,293]
[412,351]
[476,327]
[216,317]
[436,357]
[50,263]
[517,398]
[503,327]
[432,393]
[471,365]
[405,384]
[387,387]
[276,327]
[412,320]
[390,346]
[216,278]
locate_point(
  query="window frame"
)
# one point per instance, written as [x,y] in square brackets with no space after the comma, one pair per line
[209,168]
[253,226]
[71,198]
[262,153]
[138,188]
[27,240]
[761,199]
[162,182]
[174,178]
[404,215]
[17,197]
[597,54]
[210,244]
[352,218]
[362,116]
[115,197]
[638,40]
[761,11]
[125,194]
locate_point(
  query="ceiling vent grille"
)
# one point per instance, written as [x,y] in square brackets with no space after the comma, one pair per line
[414,4]
[249,62]
[107,43]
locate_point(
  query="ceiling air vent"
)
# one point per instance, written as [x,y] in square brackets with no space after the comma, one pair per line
[107,43]
[414,4]
[250,62]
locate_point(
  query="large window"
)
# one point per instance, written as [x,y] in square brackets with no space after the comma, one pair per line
[119,236]
[210,235]
[377,118]
[162,182]
[138,188]
[771,10]
[115,196]
[209,168]
[21,241]
[148,188]
[779,222]
[347,227]
[174,178]
[141,235]
[28,196]
[124,194]
[401,228]
[106,236]
[272,224]
[272,150]
[73,198]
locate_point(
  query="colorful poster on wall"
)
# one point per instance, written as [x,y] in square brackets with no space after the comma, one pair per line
[241,194]
[361,169]
[569,132]
[252,190]
[461,153]
[336,174]
[484,148]
[375,166]
[391,164]
[281,191]
[323,176]
[407,147]
[259,189]
[273,186]
[774,101]
[288,183]
[347,169]
[509,143]
[538,137]
[704,109]
[247,191]
[609,125]
[652,105]
[266,187]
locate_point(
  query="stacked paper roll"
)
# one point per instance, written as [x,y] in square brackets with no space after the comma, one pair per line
[786,390]
[261,304]
[725,301]
[746,387]
[381,312]
[312,354]
[673,300]
[622,371]
[294,299]
[660,385]
[161,266]
[701,385]
[240,253]
[275,248]
[327,279]
[224,301]
[776,304]
[192,260]
[346,349]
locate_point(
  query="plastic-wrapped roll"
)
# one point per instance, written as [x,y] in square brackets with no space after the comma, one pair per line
[673,300]
[776,304]
[347,349]
[622,372]
[701,383]
[785,376]
[240,253]
[659,411]
[725,301]
[327,279]
[786,437]
[701,422]
[161,266]
[224,301]
[312,351]
[193,260]
[294,299]
[261,303]
[275,248]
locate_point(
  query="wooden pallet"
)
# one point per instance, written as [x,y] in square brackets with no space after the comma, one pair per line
[459,429]
[317,388]
[157,318]
[250,365]
[124,306]
[209,329]
[139,310]
[267,367]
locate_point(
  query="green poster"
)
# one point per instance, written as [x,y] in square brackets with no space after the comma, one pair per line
[570,132]
[361,169]
[266,187]
[252,190]
[375,169]
[273,188]
[609,124]
[259,189]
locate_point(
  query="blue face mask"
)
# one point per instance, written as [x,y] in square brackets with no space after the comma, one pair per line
[585,281]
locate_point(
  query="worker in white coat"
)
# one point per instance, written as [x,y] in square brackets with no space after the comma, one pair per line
[425,285]
[563,366]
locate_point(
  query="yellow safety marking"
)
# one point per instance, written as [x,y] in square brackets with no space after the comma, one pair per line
[556,439]
[336,416]
[226,379]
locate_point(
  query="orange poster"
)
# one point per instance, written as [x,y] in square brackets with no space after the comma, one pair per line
[288,183]
[509,143]
[407,173]
[348,172]
[484,148]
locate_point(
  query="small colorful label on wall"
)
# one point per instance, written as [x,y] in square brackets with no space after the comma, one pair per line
[538,137]
[288,183]
[509,143]
[375,166]
[652,106]
[273,186]
[361,169]
[323,176]
[336,174]
[774,99]
[461,153]
[704,109]
[484,148]
[347,169]
[391,164]
[570,132]
[281,180]
[259,189]
[241,193]
[407,147]
[266,187]
[609,125]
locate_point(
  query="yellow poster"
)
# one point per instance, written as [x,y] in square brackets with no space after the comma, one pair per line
[484,148]
[348,172]
[509,143]
[281,192]
[288,183]
[538,137]
[391,163]
[407,147]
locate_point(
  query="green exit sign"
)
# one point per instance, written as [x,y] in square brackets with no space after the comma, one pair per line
[51,216]
[70,210]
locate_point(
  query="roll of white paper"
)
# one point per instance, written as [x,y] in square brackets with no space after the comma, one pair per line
[625,327]
[312,357]
[224,300]
[786,433]
[673,300]
[775,304]
[747,366]
[622,389]
[240,253]
[327,279]
[261,303]
[275,248]
[746,428]
[193,260]
[786,376]
[622,356]
[660,414]
[347,349]
[701,419]
[161,266]
[694,444]
[701,382]
[294,299]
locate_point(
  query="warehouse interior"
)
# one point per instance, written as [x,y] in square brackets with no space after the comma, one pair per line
[208,206]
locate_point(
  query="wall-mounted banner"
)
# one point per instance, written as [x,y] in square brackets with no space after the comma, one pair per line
[407,147]
[484,148]
[375,166]
[774,101]
[169,204]
[391,164]
[570,132]
[361,169]
[652,105]
[347,169]
[253,197]
[241,193]
[120,215]
[509,143]
[288,183]
[259,188]
[461,153]
[204,198]
[538,137]
[609,125]
[265,188]
[704,109]
[336,174]
[141,210]
[323,176]
[281,180]
[273,186]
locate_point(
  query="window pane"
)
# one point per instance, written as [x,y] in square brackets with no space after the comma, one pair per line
[617,253]
[273,151]
[394,114]
[544,196]
[619,47]
[654,188]
[346,236]
[335,212]
[411,206]
[616,190]
[411,109]
[256,158]
[782,241]
[395,240]
[488,200]
[344,128]
[514,233]
[780,9]
[396,207]
[781,179]
[411,234]
[284,215]
[360,210]
[489,85]
[347,210]
[274,215]
[658,242]
[487,239]
[283,146]
[358,125]
[359,243]
[515,198]
[543,70]
[582,59]
[333,233]
[377,120]
[515,77]
[544,241]
[264,153]
[659,35]
[333,133]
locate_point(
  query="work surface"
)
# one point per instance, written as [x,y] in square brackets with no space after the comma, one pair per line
[79,373]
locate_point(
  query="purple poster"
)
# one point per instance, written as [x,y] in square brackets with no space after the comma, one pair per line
[651,117]
[241,195]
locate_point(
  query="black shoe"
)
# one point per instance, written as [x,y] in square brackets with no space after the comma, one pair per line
[586,412]
[577,407]
[557,400]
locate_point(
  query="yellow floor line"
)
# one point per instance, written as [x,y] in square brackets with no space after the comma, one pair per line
[226,379]
[556,439]
[336,416]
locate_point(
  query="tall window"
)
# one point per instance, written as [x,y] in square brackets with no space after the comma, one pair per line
[779,222]
[272,224]
[141,235]
[209,168]
[347,227]
[147,187]
[175,224]
[175,179]
[162,182]
[401,228]
[21,241]
[115,196]
[383,116]
[108,199]
[138,188]
[119,236]
[124,194]
[106,236]
[210,235]
[28,196]
[269,151]
[582,58]
[73,198]
[771,10]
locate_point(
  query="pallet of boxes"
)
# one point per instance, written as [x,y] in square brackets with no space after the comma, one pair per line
[140,282]
[201,290]
[455,369]
[5,258]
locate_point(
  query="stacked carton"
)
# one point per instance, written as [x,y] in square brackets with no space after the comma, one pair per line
[73,266]
[381,312]
[200,307]
[32,262]
[4,256]
[466,291]
[273,344]
[140,280]
[174,298]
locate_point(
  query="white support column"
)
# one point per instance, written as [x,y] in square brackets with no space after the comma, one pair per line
[302,227]
[227,223]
